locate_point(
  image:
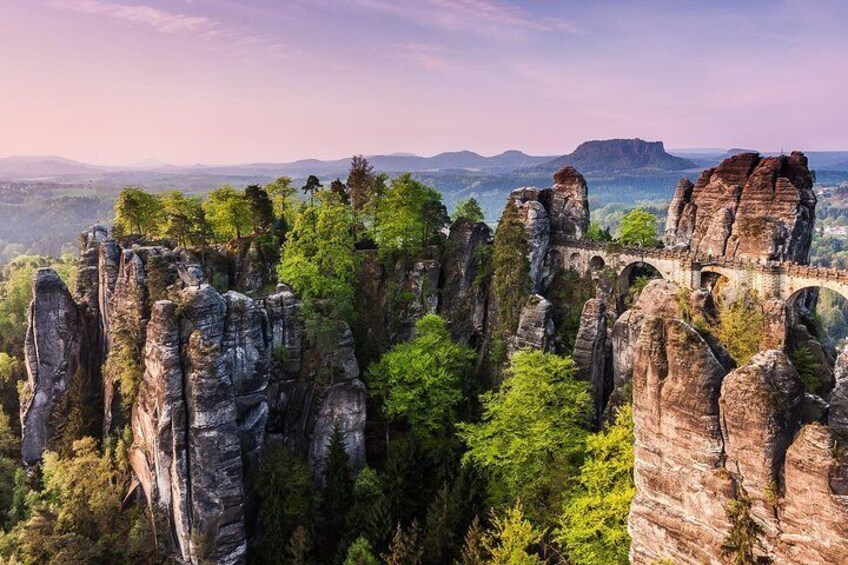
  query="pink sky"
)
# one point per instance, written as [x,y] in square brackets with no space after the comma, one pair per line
[221,81]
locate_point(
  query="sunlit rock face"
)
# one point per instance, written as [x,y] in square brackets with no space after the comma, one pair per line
[707,438]
[749,207]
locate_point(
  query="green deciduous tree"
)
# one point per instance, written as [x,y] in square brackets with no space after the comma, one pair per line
[511,537]
[593,525]
[638,227]
[741,326]
[282,192]
[510,269]
[228,213]
[598,233]
[421,381]
[409,217]
[469,209]
[183,219]
[137,212]
[360,552]
[532,434]
[319,259]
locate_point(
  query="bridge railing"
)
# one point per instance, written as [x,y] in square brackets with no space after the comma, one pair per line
[761,265]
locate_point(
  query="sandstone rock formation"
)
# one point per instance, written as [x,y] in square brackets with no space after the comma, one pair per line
[706,439]
[52,351]
[463,296]
[679,509]
[551,214]
[535,326]
[748,207]
[590,351]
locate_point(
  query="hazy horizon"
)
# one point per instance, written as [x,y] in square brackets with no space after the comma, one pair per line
[115,82]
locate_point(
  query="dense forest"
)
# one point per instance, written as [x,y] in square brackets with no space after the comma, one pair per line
[461,467]
[492,454]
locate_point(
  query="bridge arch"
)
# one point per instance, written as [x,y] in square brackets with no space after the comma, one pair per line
[597,263]
[576,262]
[630,275]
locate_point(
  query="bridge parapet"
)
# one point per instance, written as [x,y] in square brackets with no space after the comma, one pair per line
[768,276]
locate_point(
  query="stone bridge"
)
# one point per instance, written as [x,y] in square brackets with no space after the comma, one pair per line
[770,279]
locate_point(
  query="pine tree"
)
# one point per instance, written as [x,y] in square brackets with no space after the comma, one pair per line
[360,181]
[473,552]
[405,548]
[337,493]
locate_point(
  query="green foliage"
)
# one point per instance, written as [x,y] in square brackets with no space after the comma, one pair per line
[369,514]
[469,209]
[409,217]
[124,367]
[808,368]
[78,516]
[593,525]
[228,213]
[532,433]
[510,269]
[598,233]
[360,182]
[137,212]
[282,193]
[319,260]
[337,493]
[569,292]
[510,539]
[183,219]
[741,327]
[360,552]
[638,227]
[312,186]
[450,512]
[261,208]
[743,539]
[284,487]
[421,381]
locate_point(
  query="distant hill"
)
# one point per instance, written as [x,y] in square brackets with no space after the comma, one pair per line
[43,166]
[619,156]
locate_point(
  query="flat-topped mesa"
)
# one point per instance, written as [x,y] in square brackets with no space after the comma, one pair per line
[748,207]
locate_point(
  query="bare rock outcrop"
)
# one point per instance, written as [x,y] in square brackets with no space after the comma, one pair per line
[838,414]
[706,442]
[52,351]
[748,207]
[590,351]
[814,508]
[463,293]
[761,407]
[678,512]
[550,214]
[535,326]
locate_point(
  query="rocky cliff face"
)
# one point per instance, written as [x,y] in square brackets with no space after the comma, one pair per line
[551,213]
[708,438]
[52,351]
[749,207]
[222,376]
